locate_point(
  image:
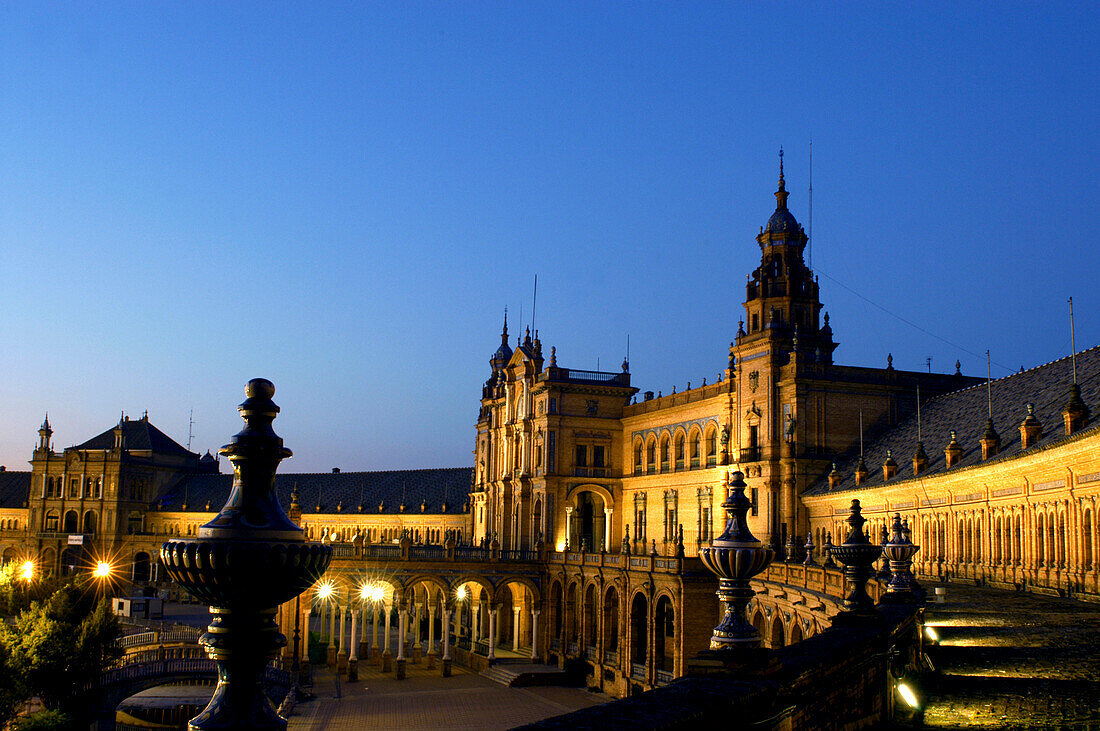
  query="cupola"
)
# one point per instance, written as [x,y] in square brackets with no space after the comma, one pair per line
[1031,430]
[991,441]
[920,459]
[889,467]
[952,451]
[1076,413]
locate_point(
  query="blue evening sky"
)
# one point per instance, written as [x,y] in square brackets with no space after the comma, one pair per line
[344,197]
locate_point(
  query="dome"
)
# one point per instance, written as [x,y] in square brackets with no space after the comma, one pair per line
[503,354]
[782,222]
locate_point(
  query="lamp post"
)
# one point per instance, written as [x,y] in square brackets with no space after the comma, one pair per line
[244,563]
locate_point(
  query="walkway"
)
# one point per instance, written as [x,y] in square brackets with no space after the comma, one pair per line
[1013,661]
[425,701]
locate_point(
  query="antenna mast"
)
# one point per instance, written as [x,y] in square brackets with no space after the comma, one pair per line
[988,384]
[534,299]
[861,432]
[1072,342]
[918,411]
[811,237]
[191,423]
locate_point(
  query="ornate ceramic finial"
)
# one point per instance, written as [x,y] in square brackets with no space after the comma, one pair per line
[735,556]
[626,540]
[553,357]
[857,553]
[958,368]
[899,551]
[244,563]
[504,331]
[782,184]
[809,548]
[889,361]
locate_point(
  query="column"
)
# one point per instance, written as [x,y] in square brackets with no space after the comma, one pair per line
[354,645]
[416,625]
[515,629]
[534,634]
[607,530]
[568,527]
[431,627]
[364,648]
[492,631]
[386,637]
[446,641]
[342,650]
[374,629]
[402,624]
[475,622]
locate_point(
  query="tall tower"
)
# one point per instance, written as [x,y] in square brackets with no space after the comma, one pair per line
[781,336]
[781,300]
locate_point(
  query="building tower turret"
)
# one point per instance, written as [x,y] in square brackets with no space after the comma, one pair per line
[44,434]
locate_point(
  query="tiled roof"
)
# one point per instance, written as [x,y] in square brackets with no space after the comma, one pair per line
[330,489]
[138,434]
[14,489]
[966,411]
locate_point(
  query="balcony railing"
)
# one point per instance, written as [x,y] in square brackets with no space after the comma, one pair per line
[611,657]
[637,671]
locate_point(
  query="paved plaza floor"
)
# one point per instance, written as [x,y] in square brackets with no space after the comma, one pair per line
[425,700]
[1013,661]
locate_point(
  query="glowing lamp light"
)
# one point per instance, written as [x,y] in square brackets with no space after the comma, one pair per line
[376,594]
[561,546]
[365,592]
[27,572]
[325,590]
[908,694]
[461,593]
[930,633]
[102,570]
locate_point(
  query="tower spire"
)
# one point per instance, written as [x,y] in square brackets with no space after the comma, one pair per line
[781,193]
[504,332]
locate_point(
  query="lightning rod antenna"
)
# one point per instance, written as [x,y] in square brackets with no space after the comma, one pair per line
[191,423]
[534,299]
[1072,341]
[811,237]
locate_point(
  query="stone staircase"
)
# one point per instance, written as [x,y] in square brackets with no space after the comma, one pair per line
[519,673]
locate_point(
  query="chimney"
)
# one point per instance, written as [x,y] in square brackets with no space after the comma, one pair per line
[991,441]
[952,451]
[1076,413]
[889,467]
[1031,431]
[834,477]
[920,459]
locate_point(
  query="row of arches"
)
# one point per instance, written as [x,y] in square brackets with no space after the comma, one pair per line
[594,622]
[672,451]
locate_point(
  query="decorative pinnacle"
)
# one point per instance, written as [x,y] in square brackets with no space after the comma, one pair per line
[782,186]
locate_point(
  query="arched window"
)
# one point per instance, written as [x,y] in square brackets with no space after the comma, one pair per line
[664,453]
[696,440]
[651,456]
[664,636]
[590,617]
[1087,525]
[777,638]
[89,521]
[680,442]
[639,624]
[556,620]
[712,447]
[638,456]
[611,621]
[71,521]
[1040,544]
[141,567]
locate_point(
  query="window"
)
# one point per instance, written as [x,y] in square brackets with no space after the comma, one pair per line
[637,457]
[671,504]
[695,449]
[680,452]
[664,454]
[756,501]
[581,458]
[704,523]
[712,447]
[597,456]
[755,323]
[639,513]
[651,456]
[74,488]
[52,520]
[551,445]
[553,406]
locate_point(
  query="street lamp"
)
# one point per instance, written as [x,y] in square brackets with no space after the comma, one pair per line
[27,572]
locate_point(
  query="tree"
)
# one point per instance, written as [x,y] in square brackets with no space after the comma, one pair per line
[59,648]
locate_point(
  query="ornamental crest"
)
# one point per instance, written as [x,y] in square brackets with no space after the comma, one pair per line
[754,381]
